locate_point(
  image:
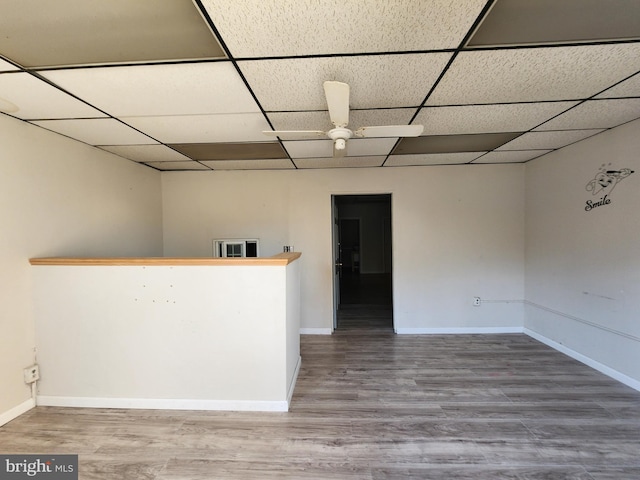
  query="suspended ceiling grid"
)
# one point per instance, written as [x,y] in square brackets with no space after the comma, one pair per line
[191,85]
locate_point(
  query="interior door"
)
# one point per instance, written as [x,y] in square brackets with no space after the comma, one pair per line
[337,257]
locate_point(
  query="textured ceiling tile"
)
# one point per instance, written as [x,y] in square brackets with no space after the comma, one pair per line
[521,75]
[487,118]
[72,32]
[178,166]
[431,159]
[6,66]
[145,153]
[146,90]
[231,151]
[97,131]
[596,114]
[357,119]
[628,88]
[344,162]
[519,156]
[35,99]
[258,28]
[376,81]
[257,164]
[324,148]
[548,140]
[241,127]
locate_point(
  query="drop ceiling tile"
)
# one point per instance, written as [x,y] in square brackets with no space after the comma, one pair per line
[6,66]
[518,22]
[344,162]
[453,143]
[519,156]
[628,88]
[35,99]
[72,32]
[97,131]
[260,28]
[154,90]
[487,118]
[357,119]
[431,159]
[535,74]
[596,114]
[376,81]
[145,153]
[324,148]
[232,151]
[548,140]
[256,164]
[241,127]
[178,166]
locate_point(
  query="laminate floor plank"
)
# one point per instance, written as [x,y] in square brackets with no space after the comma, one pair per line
[372,405]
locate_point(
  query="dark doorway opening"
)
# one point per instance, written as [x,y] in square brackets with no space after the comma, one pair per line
[364,299]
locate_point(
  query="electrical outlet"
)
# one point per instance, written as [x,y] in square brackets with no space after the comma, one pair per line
[476,301]
[32,374]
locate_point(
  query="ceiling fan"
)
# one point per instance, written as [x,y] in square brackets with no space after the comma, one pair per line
[337,94]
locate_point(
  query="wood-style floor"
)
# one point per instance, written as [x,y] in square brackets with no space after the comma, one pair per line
[375,406]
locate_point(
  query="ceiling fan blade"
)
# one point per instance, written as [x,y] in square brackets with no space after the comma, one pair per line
[390,131]
[337,94]
[295,134]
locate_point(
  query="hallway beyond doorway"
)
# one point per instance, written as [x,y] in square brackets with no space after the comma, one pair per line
[365,302]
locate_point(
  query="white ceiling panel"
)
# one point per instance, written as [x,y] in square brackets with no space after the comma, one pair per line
[535,74]
[259,28]
[431,159]
[519,156]
[514,117]
[178,166]
[376,81]
[146,153]
[628,88]
[36,99]
[596,114]
[357,119]
[547,140]
[324,148]
[344,162]
[153,90]
[6,66]
[239,127]
[266,164]
[97,131]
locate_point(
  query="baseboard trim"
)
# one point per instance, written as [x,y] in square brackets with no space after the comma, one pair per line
[315,331]
[16,411]
[292,386]
[458,331]
[165,404]
[610,372]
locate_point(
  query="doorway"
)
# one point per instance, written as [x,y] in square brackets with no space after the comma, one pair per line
[362,250]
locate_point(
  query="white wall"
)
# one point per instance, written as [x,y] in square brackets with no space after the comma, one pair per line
[458,232]
[583,267]
[60,197]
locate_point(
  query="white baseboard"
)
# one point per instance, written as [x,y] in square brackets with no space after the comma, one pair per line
[292,386]
[458,331]
[610,372]
[165,404]
[316,331]
[16,411]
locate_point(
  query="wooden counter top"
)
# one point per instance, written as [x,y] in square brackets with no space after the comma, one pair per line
[280,259]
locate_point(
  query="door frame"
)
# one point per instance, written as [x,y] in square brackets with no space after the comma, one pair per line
[335,249]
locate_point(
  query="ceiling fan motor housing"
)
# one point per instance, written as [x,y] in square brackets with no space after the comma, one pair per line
[340,136]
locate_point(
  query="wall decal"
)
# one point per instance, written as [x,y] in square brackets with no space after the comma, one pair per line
[603,184]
